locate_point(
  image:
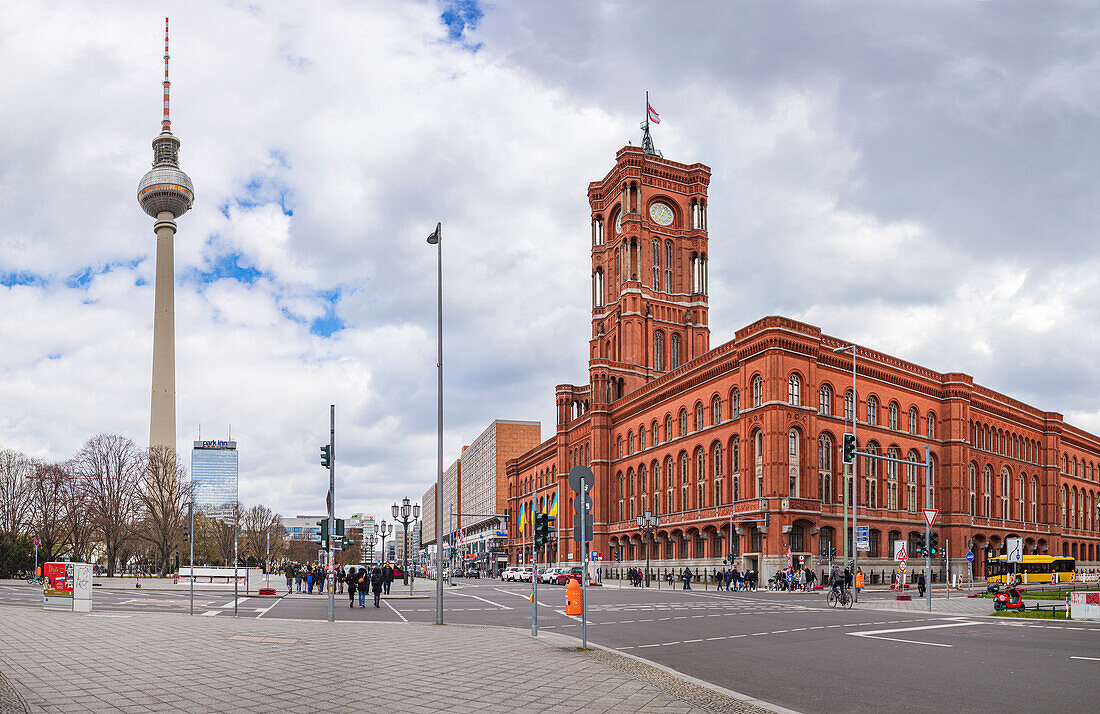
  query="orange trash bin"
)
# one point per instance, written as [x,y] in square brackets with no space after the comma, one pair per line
[574,598]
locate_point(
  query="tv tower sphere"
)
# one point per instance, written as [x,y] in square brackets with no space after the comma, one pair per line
[166,188]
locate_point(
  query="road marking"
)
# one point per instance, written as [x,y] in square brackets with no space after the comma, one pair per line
[387,604]
[496,604]
[211,613]
[230,603]
[1093,659]
[709,639]
[877,634]
[644,646]
[690,641]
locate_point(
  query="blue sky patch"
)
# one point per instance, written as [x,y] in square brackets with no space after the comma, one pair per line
[9,280]
[460,16]
[222,267]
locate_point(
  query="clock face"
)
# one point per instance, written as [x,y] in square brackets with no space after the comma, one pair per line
[661,214]
[619,223]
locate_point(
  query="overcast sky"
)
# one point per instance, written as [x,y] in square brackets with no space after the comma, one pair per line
[920,178]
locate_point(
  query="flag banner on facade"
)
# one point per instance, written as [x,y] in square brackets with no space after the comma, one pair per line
[653,115]
[554,506]
[522,517]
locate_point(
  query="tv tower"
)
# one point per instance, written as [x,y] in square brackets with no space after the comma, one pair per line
[165,193]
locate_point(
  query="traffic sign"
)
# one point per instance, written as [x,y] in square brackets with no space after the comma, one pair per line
[900,553]
[902,566]
[801,559]
[1015,550]
[969,557]
[575,476]
[930,515]
[37,542]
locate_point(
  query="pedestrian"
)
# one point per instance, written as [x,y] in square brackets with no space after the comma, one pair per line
[686,575]
[802,579]
[299,576]
[351,580]
[377,583]
[387,578]
[920,583]
[362,580]
[340,580]
[288,571]
[309,581]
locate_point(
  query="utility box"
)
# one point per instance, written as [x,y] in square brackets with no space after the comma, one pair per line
[1084,605]
[67,586]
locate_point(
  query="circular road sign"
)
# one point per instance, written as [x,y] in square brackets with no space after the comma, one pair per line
[901,567]
[969,557]
[575,476]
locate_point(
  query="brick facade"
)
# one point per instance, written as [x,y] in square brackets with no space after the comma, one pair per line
[749,432]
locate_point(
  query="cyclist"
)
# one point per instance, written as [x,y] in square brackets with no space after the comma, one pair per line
[837,581]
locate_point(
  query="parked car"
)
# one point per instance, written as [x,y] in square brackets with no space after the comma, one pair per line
[550,575]
[524,574]
[567,574]
[508,573]
[473,573]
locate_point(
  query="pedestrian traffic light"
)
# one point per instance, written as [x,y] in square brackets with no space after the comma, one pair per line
[849,451]
[920,545]
[324,529]
[934,543]
[339,526]
[345,543]
[542,529]
[326,456]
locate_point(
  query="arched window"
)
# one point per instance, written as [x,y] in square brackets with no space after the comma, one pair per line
[911,482]
[825,468]
[659,351]
[973,489]
[1064,499]
[630,442]
[794,390]
[1034,499]
[670,504]
[849,407]
[717,466]
[735,403]
[931,430]
[620,447]
[757,391]
[698,416]
[622,501]
[1065,464]
[825,400]
[794,482]
[735,469]
[716,410]
[892,480]
[656,266]
[684,482]
[913,420]
[700,478]
[668,427]
[987,492]
[872,411]
[656,433]
[683,422]
[674,352]
[668,266]
[893,416]
[870,498]
[758,462]
[1005,494]
[641,438]
[1020,491]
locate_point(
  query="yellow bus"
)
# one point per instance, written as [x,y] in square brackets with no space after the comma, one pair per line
[1034,569]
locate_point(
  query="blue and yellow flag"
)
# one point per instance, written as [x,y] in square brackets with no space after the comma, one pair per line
[554,506]
[522,517]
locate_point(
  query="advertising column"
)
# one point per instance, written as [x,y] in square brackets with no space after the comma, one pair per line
[57,589]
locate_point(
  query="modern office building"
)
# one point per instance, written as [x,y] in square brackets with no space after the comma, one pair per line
[303,527]
[427,510]
[214,477]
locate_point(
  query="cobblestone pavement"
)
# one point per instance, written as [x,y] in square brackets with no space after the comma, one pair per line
[164,662]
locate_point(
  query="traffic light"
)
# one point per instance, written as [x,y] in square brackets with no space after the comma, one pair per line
[345,543]
[920,545]
[339,526]
[542,529]
[848,454]
[767,519]
[326,456]
[934,543]
[324,529]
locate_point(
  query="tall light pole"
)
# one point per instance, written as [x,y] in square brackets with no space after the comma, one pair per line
[371,540]
[436,239]
[851,472]
[383,532]
[648,524]
[403,513]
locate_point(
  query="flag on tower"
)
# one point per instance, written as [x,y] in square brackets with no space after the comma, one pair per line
[653,115]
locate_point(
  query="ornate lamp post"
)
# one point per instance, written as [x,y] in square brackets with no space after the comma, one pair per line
[371,540]
[648,524]
[402,513]
[383,532]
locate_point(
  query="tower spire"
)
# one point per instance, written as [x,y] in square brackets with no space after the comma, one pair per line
[166,122]
[647,140]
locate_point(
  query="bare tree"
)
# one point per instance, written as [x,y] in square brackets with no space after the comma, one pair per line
[259,527]
[164,494]
[48,520]
[15,509]
[79,528]
[111,466]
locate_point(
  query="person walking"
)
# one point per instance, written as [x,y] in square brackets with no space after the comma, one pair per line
[288,571]
[920,583]
[350,578]
[387,579]
[309,581]
[686,575]
[362,579]
[377,583]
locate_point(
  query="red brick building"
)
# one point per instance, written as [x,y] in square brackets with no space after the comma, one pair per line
[748,433]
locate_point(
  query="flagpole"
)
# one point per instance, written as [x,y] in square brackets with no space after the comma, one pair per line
[647,110]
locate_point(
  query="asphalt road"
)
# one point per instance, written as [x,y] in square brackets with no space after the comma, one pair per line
[786,648]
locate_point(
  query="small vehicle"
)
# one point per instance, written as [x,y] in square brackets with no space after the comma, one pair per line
[508,573]
[567,574]
[1010,599]
[524,574]
[550,575]
[473,573]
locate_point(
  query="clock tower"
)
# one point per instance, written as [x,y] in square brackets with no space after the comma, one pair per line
[649,271]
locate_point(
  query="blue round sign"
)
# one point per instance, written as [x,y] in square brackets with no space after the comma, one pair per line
[969,557]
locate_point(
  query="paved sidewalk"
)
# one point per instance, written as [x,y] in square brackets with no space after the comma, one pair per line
[62,662]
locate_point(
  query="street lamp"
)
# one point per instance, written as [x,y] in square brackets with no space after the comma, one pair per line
[436,239]
[402,513]
[854,473]
[648,524]
[382,528]
[371,540]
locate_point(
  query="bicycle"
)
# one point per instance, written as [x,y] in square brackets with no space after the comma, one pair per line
[841,596]
[35,579]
